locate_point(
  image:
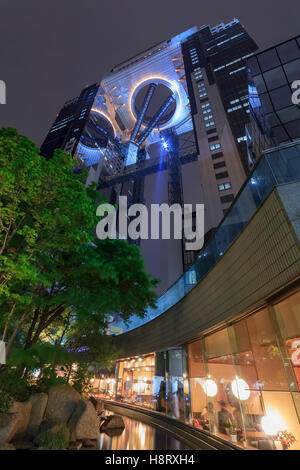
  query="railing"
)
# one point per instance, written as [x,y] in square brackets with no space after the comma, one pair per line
[277,166]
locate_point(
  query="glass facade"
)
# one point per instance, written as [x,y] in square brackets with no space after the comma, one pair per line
[273,72]
[135,378]
[277,166]
[240,383]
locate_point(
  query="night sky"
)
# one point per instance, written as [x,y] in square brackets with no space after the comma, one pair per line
[49,50]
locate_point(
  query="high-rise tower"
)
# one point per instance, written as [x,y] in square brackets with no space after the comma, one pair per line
[165,127]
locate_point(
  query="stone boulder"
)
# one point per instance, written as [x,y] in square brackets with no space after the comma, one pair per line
[62,402]
[7,447]
[24,409]
[114,432]
[39,403]
[88,443]
[112,422]
[22,444]
[98,404]
[84,423]
[10,423]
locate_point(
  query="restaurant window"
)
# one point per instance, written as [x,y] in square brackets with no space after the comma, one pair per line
[240,387]
[288,318]
[135,380]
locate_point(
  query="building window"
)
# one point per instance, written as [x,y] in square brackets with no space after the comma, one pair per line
[224,186]
[217,155]
[214,146]
[210,123]
[237,70]
[238,375]
[219,165]
[230,110]
[222,175]
[211,131]
[226,199]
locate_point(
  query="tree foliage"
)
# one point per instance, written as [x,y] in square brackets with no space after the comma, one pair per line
[52,270]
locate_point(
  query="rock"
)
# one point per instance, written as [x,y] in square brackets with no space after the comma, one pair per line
[61,402]
[48,424]
[39,403]
[24,409]
[112,422]
[98,404]
[22,444]
[84,423]
[75,445]
[89,443]
[10,423]
[114,432]
[7,447]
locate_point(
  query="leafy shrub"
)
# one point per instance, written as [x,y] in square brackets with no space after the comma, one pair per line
[57,439]
[81,378]
[5,401]
[12,385]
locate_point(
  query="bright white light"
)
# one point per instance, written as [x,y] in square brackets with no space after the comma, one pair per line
[165,145]
[240,389]
[272,423]
[210,388]
[36,372]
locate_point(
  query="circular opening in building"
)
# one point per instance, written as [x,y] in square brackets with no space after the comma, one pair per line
[160,95]
[98,130]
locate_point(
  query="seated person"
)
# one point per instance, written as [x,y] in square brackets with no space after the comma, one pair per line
[209,417]
[224,417]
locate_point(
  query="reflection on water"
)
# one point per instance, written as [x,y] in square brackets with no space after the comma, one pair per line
[139,436]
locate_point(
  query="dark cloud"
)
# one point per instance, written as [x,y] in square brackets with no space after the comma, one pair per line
[49,50]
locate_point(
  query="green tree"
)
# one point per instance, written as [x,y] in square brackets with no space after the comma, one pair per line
[51,267]
[102,277]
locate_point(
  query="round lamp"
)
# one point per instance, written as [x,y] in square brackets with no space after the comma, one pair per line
[210,387]
[240,389]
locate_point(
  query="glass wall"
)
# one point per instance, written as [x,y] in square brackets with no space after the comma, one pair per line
[158,381]
[245,379]
[135,380]
[277,166]
[273,72]
[241,383]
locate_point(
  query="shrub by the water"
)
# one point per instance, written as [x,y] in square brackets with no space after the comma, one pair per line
[56,440]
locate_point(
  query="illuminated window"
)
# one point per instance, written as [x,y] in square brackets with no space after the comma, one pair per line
[222,187]
[215,147]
